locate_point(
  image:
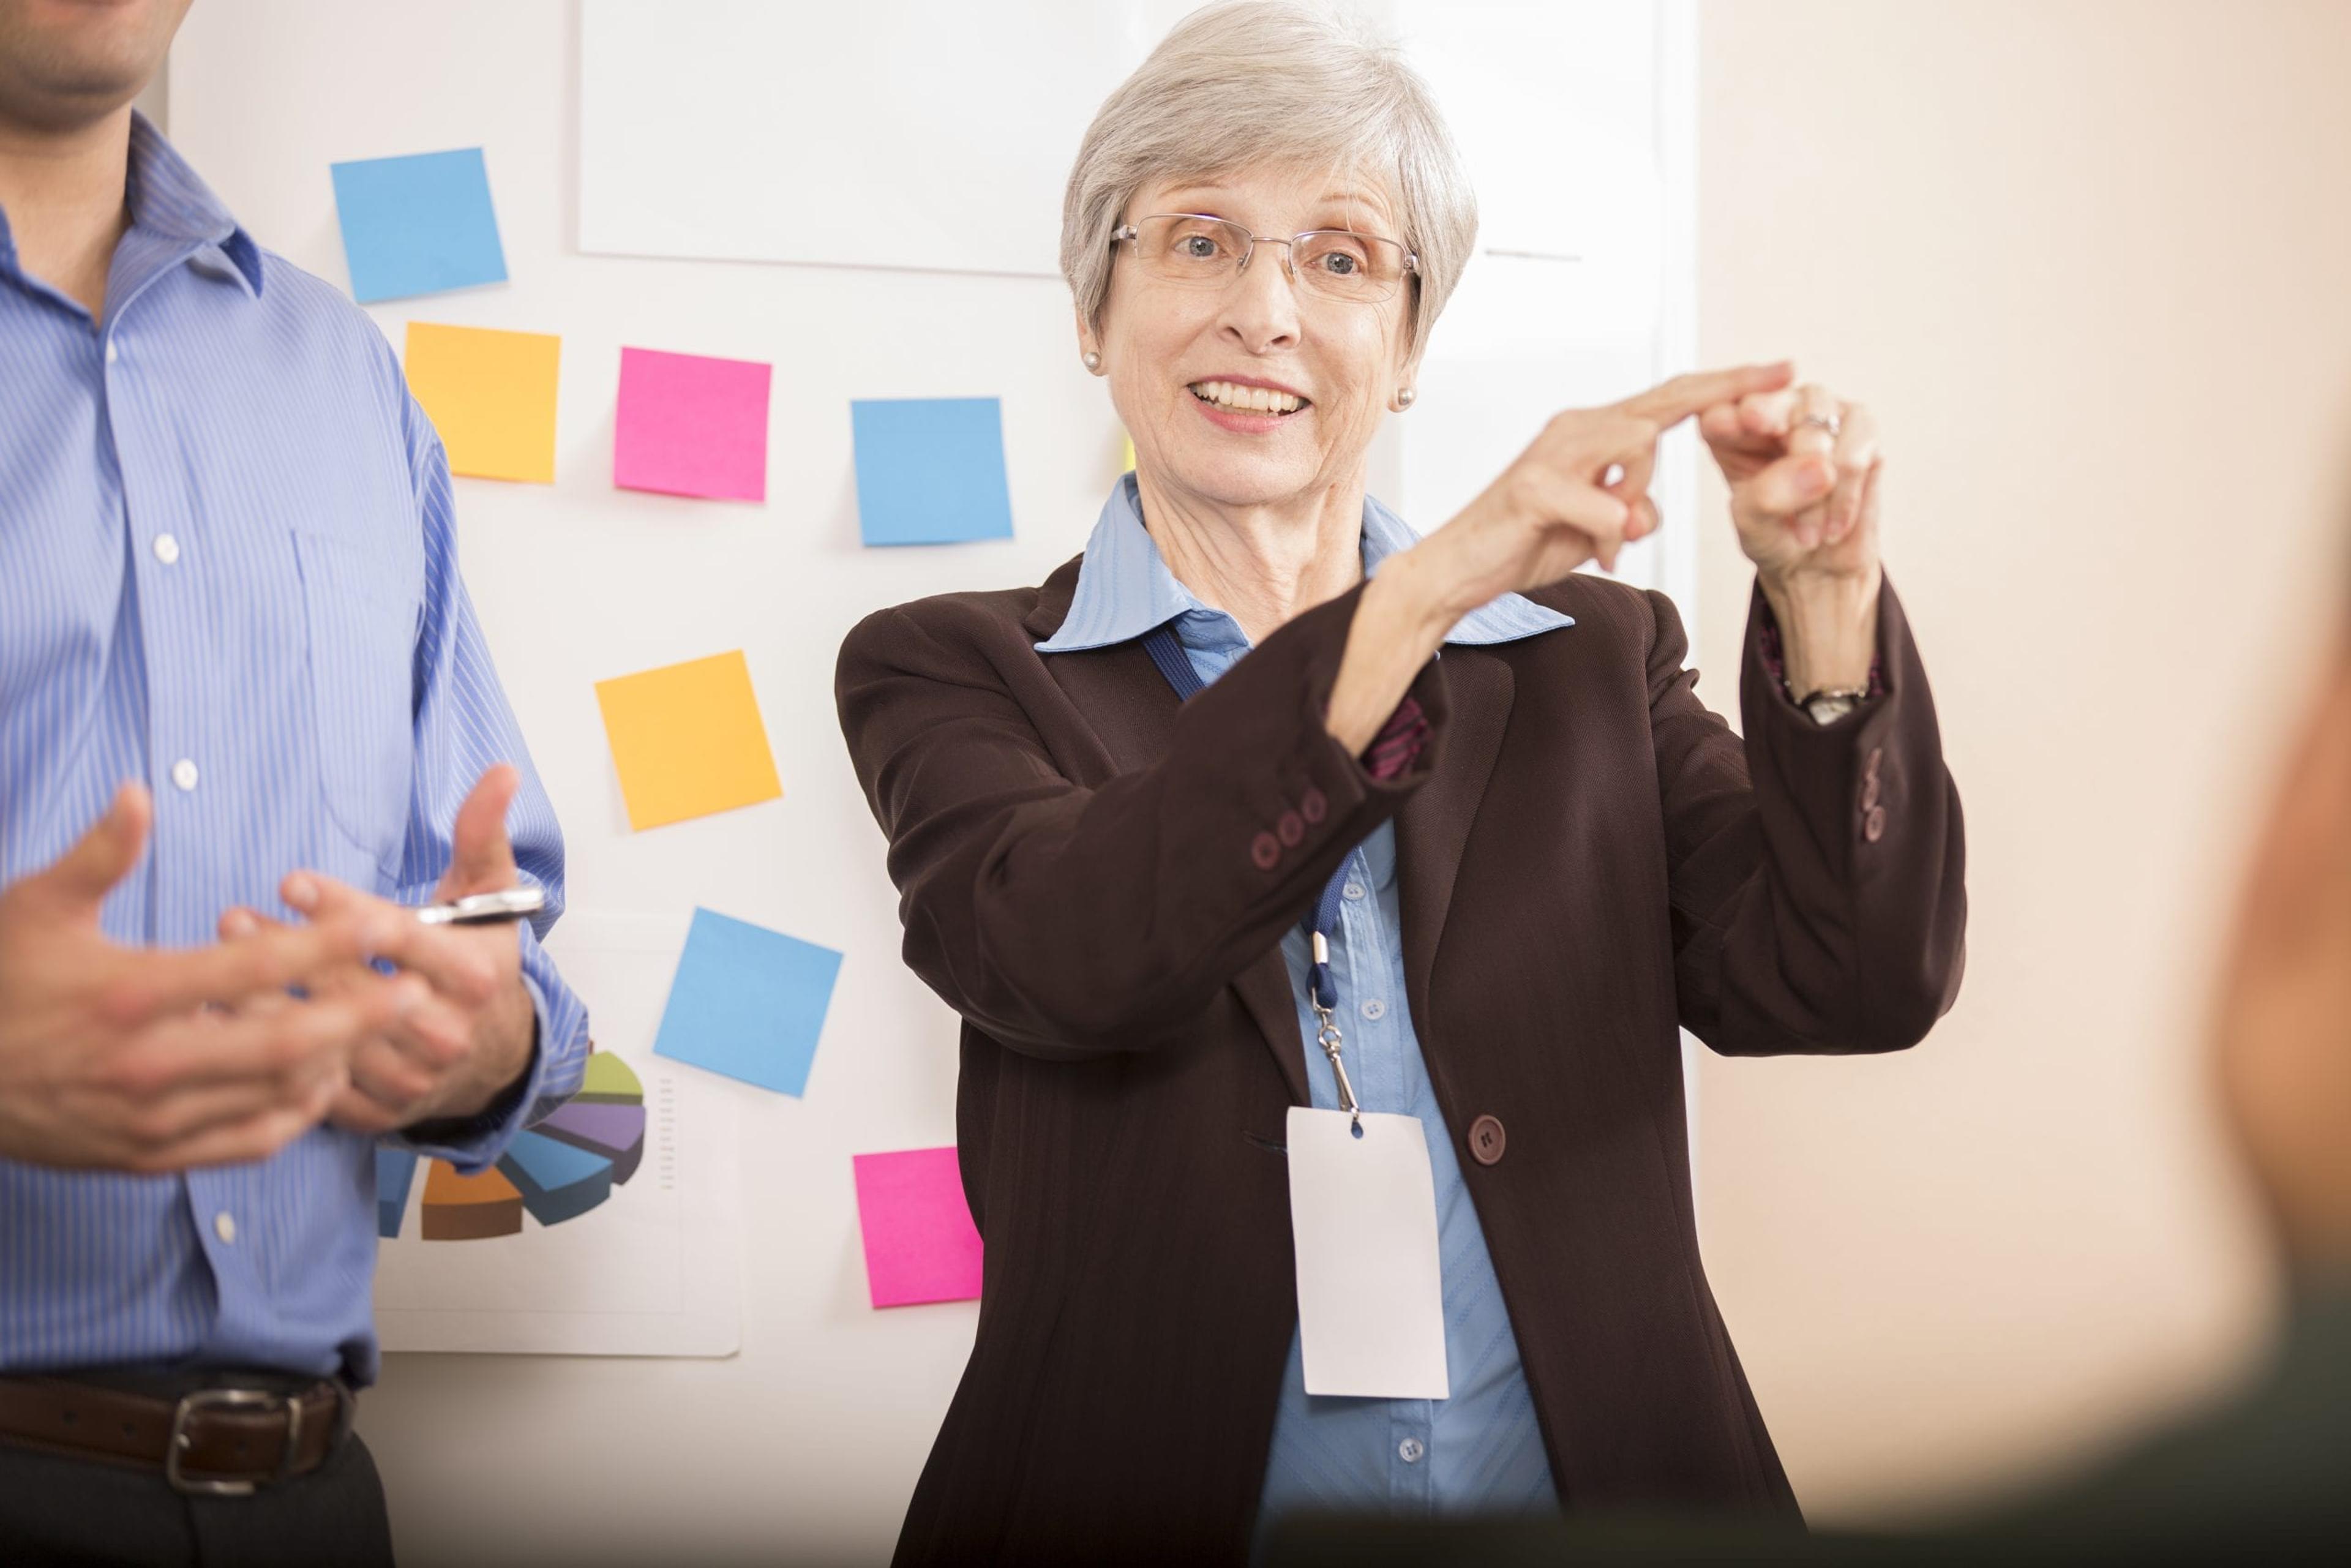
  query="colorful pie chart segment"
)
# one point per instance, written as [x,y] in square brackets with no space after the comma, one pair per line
[615,1132]
[557,1181]
[469,1208]
[555,1171]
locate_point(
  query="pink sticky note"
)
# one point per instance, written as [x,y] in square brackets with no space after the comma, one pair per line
[689,426]
[920,1242]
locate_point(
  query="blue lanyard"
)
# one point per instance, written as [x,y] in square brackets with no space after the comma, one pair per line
[1321,987]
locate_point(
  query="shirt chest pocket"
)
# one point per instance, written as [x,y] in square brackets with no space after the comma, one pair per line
[362,659]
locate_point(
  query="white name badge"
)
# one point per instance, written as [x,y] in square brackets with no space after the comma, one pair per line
[1371,1295]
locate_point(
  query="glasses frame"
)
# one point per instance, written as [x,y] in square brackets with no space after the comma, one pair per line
[1130,231]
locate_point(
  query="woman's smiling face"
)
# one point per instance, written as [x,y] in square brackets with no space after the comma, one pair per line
[1260,391]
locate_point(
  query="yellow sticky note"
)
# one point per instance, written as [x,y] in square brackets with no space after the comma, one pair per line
[491,395]
[687,740]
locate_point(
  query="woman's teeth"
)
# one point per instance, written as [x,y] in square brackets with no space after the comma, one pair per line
[1246,400]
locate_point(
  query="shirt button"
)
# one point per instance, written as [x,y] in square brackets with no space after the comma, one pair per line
[183,774]
[1411,1449]
[224,1226]
[1375,1010]
[1353,890]
[167,549]
[112,353]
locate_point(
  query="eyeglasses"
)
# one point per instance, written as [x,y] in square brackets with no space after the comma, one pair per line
[1195,250]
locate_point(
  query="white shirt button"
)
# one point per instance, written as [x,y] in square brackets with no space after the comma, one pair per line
[1410,1450]
[167,549]
[183,774]
[112,353]
[1375,1010]
[1353,890]
[224,1226]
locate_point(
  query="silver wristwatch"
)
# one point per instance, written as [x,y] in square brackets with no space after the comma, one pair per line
[1832,703]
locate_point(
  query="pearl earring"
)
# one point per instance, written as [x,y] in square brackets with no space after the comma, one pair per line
[1094,360]
[1405,396]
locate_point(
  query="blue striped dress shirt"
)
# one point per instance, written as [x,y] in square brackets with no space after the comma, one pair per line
[228,569]
[1479,1451]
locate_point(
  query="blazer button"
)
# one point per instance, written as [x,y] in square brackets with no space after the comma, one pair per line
[1869,792]
[1876,756]
[1312,806]
[1486,1140]
[1264,850]
[1873,827]
[1292,829]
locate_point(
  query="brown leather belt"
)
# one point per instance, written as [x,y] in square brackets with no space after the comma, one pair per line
[212,1442]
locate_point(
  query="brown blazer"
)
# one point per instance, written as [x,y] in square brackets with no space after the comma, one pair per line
[1588,860]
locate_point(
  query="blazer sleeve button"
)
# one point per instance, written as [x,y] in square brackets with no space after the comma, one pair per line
[1292,829]
[1264,850]
[1314,806]
[1869,792]
[1873,827]
[1487,1140]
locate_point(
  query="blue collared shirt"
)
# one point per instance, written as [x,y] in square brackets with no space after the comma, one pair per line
[228,569]
[1479,1451]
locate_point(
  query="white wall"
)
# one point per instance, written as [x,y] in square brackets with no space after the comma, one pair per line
[808,1444]
[2091,262]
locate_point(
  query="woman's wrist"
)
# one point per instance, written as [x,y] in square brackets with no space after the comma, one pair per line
[1828,627]
[1398,624]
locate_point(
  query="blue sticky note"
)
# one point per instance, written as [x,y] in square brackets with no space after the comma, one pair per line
[418,224]
[748,1002]
[930,471]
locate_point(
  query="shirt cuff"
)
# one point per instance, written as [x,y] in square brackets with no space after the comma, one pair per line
[1397,746]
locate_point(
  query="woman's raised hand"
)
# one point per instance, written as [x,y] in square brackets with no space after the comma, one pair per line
[1579,492]
[1802,468]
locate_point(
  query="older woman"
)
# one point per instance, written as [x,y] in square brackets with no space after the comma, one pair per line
[1212,951]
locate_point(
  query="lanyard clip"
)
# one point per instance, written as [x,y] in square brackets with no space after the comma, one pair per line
[1327,1036]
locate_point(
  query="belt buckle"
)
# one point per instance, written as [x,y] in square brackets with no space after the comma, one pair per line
[204,1399]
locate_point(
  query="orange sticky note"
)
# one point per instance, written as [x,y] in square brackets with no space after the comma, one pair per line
[491,395]
[687,740]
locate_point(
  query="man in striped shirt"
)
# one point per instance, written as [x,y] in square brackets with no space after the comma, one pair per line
[246,716]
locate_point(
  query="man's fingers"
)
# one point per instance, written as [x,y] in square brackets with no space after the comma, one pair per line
[156,982]
[234,1143]
[481,855]
[79,879]
[288,1046]
[173,1119]
[1675,401]
[454,960]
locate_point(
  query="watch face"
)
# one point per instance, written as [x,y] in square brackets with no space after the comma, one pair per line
[1828,710]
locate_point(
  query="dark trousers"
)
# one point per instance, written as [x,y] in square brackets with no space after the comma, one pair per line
[56,1510]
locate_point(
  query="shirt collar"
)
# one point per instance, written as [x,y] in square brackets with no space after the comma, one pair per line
[169,202]
[1124,589]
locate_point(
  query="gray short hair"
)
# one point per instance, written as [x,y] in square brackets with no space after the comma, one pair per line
[1199,106]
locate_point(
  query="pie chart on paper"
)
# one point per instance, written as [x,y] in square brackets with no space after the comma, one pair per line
[555,1171]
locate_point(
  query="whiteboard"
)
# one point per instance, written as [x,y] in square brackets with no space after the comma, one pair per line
[806,1444]
[823,110]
